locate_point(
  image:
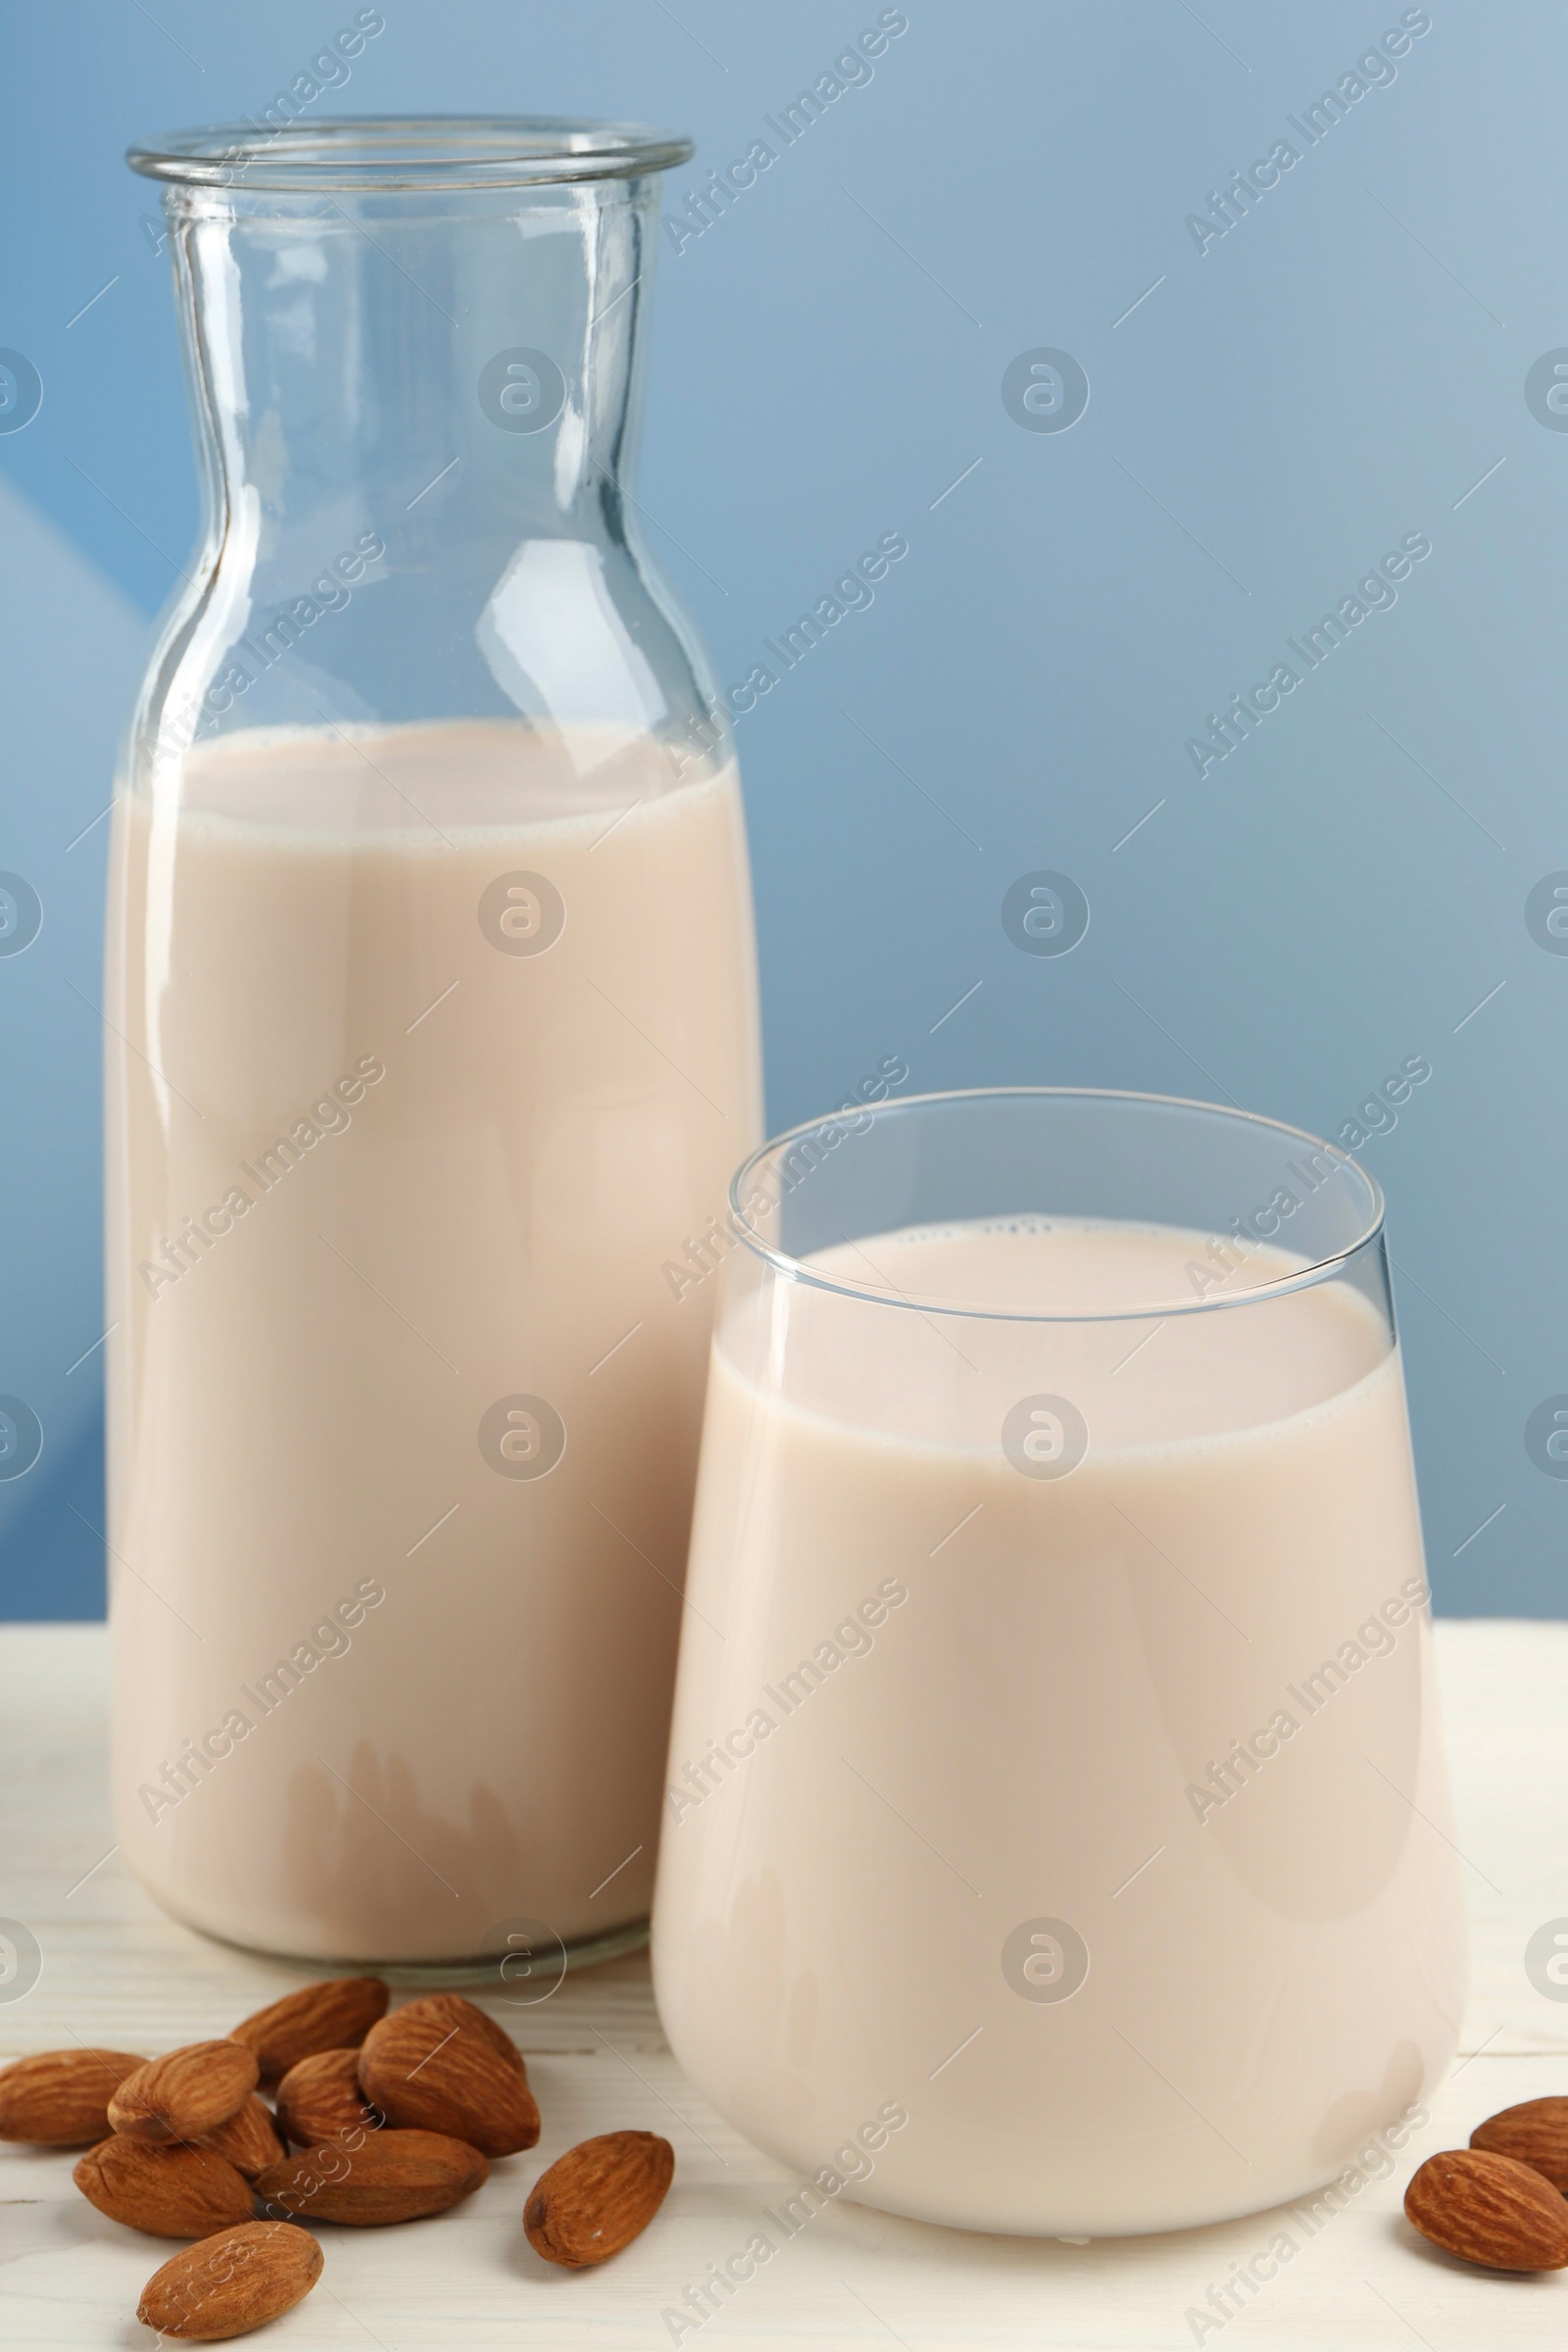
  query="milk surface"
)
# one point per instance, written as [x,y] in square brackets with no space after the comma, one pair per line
[438,1044]
[1095,1820]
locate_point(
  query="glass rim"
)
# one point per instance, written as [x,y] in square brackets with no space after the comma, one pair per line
[407,153]
[795,1269]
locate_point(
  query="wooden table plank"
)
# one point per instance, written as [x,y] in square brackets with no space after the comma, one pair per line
[117,1971]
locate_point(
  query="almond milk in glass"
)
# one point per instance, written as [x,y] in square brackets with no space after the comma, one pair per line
[433,1040]
[1055,1757]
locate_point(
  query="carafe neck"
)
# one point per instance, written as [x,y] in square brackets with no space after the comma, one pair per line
[439,366]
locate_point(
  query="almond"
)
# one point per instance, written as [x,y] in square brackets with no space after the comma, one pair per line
[441,2065]
[186,2093]
[394,2176]
[232,2283]
[248,2140]
[320,2099]
[60,2098]
[1490,2210]
[334,2016]
[1536,2134]
[170,2192]
[598,2198]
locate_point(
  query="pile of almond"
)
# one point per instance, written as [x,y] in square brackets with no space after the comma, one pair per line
[395,2115]
[1503,2200]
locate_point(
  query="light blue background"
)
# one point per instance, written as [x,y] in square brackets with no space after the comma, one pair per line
[1340,370]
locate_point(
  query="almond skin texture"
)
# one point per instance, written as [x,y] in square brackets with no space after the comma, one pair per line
[248,2140]
[1534,2133]
[598,2198]
[395,2177]
[449,2012]
[336,2016]
[232,2283]
[170,2192]
[186,2093]
[60,2098]
[450,2009]
[320,2099]
[1489,2210]
[441,2065]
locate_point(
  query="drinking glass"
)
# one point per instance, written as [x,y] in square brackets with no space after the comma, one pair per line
[1057,1830]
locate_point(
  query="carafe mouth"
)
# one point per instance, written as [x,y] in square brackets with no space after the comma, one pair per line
[393,153]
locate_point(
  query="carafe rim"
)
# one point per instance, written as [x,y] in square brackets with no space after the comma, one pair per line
[393,154]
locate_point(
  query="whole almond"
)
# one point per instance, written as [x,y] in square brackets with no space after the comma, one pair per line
[248,2140]
[320,2099]
[170,2192]
[1535,2133]
[441,2065]
[186,2093]
[598,2198]
[231,2284]
[334,2016]
[60,2098]
[1490,2210]
[394,2176]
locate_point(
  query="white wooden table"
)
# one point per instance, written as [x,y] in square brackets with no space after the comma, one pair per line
[117,1972]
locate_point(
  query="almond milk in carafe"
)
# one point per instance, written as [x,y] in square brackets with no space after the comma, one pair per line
[434,1039]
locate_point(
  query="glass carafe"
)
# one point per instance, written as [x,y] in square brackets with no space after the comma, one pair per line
[433,1013]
